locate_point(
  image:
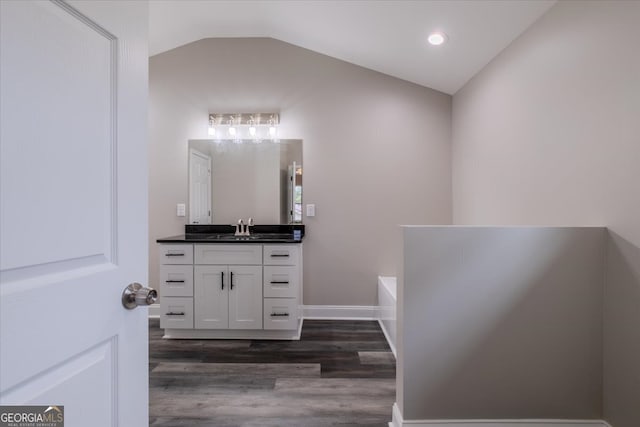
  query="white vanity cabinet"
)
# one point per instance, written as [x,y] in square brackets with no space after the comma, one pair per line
[282,290]
[176,286]
[238,290]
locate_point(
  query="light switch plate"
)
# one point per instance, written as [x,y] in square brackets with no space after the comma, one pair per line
[311,210]
[181,209]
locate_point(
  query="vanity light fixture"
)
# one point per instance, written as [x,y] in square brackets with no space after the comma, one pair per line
[437,38]
[251,126]
[253,130]
[273,130]
[212,128]
[232,128]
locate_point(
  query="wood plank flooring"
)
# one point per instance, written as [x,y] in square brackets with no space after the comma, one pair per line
[341,373]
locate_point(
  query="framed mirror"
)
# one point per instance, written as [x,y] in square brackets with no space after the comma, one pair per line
[229,180]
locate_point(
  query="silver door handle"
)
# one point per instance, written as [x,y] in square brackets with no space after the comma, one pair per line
[135,294]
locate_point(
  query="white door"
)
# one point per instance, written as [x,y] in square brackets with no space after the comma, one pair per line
[211,296]
[245,297]
[73,201]
[199,188]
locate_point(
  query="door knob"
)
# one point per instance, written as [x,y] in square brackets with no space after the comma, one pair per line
[135,294]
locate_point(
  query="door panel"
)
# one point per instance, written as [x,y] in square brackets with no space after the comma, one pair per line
[245,297]
[89,376]
[73,220]
[211,296]
[42,41]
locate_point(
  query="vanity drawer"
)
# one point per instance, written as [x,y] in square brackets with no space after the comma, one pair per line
[280,313]
[176,280]
[281,281]
[176,313]
[176,254]
[281,254]
[238,254]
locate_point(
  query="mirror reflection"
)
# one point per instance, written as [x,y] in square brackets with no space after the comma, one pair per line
[231,179]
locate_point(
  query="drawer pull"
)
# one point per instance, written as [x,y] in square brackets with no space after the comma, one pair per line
[174,281]
[279,255]
[277,282]
[171,313]
[279,314]
[182,254]
[231,281]
[222,280]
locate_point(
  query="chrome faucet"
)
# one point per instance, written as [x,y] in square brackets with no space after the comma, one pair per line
[239,228]
[242,229]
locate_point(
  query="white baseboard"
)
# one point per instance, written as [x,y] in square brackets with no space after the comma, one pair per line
[154,311]
[399,422]
[340,312]
[324,312]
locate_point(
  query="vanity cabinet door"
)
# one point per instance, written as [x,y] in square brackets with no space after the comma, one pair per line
[211,296]
[245,297]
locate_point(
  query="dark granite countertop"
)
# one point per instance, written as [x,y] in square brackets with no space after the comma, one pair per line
[225,234]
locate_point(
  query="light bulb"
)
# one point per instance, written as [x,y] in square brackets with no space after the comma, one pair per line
[232,130]
[252,130]
[272,131]
[211,131]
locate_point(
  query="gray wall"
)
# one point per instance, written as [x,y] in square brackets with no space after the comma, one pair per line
[622,333]
[501,323]
[549,133]
[376,150]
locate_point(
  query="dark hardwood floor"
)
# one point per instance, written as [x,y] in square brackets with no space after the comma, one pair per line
[341,373]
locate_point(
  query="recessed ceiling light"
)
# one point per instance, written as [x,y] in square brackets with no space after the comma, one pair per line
[437,38]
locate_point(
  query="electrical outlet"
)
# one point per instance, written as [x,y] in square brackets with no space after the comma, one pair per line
[181,209]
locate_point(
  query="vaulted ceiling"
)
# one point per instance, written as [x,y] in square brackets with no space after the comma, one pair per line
[386,36]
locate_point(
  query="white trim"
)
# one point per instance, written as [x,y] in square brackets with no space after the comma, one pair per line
[399,422]
[323,312]
[386,335]
[340,312]
[154,311]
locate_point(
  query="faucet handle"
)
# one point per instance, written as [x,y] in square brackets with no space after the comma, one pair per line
[250,222]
